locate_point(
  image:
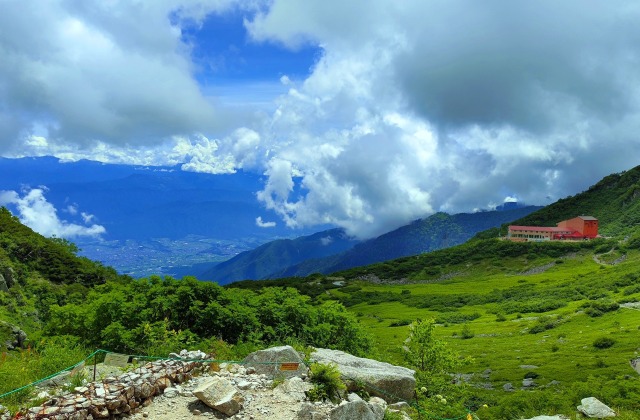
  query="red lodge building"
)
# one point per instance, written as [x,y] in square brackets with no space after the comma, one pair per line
[578,228]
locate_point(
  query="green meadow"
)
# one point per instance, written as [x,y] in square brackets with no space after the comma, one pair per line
[556,320]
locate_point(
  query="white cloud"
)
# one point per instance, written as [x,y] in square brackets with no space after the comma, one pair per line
[326,240]
[36,212]
[263,224]
[412,107]
[111,72]
[406,113]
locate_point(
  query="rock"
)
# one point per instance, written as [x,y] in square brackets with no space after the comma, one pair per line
[293,389]
[7,278]
[635,364]
[308,412]
[171,392]
[266,362]
[528,383]
[13,336]
[556,417]
[220,394]
[392,383]
[400,406]
[378,406]
[508,387]
[355,410]
[594,408]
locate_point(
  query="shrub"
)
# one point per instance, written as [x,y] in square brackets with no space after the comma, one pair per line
[326,381]
[456,318]
[466,332]
[400,323]
[603,342]
[545,323]
[599,308]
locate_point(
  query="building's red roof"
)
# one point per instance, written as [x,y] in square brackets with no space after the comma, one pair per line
[553,229]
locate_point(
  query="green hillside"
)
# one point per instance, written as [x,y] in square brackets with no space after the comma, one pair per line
[509,330]
[437,231]
[542,325]
[613,201]
[56,308]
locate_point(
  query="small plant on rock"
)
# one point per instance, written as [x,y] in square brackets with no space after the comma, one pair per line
[326,381]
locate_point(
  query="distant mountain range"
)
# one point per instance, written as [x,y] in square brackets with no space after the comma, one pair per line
[155,218]
[331,251]
[162,220]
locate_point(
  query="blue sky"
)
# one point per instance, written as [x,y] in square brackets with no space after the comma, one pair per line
[381,112]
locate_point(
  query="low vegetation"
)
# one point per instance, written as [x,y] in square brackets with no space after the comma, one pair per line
[505,330]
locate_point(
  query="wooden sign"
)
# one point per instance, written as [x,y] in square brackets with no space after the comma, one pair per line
[289,366]
[116,359]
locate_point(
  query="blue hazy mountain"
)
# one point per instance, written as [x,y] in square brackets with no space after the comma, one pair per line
[278,255]
[300,257]
[154,216]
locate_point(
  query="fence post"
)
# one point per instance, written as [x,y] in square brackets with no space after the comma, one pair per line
[94,364]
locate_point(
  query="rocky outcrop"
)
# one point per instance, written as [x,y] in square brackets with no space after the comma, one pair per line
[390,382]
[14,337]
[594,408]
[7,278]
[274,362]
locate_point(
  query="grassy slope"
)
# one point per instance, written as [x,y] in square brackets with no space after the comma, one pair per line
[613,201]
[564,353]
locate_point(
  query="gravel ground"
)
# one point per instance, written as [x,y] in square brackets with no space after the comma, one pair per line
[261,403]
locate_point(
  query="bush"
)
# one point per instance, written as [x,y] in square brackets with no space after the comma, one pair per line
[400,323]
[456,318]
[598,308]
[466,332]
[603,342]
[326,381]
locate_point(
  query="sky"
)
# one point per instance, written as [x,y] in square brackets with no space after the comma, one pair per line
[360,114]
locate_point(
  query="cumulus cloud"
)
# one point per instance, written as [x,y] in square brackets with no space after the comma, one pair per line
[118,73]
[421,106]
[412,107]
[263,224]
[36,212]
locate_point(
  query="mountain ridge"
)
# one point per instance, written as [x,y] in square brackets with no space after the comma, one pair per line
[423,235]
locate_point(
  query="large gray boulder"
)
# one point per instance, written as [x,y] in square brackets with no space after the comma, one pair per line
[219,394]
[356,410]
[390,382]
[277,362]
[594,408]
[635,364]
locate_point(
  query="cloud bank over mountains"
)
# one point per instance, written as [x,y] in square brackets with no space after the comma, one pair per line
[412,107]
